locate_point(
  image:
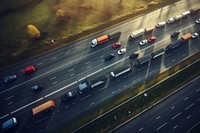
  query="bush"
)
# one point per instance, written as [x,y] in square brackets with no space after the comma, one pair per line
[33,31]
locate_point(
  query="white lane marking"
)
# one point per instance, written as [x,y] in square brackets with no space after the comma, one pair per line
[172,107]
[73,103]
[28,126]
[157,117]
[54,82]
[9,97]
[4,116]
[113,92]
[86,97]
[188,117]
[60,89]
[189,106]
[92,103]
[67,52]
[66,107]
[95,72]
[72,74]
[186,98]
[89,67]
[175,127]
[176,115]
[141,129]
[41,119]
[198,100]
[53,58]
[142,68]
[161,126]
[9,103]
[134,81]
[26,105]
[118,80]
[102,60]
[40,63]
[87,62]
[103,88]
[125,86]
[173,60]
[198,90]
[53,78]
[114,63]
[183,55]
[71,70]
[40,131]
[81,79]
[193,127]
[102,56]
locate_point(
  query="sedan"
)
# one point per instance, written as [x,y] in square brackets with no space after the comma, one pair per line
[121,51]
[176,33]
[133,55]
[69,95]
[37,88]
[108,57]
[117,44]
[9,79]
[171,20]
[195,35]
[197,21]
[151,39]
[143,42]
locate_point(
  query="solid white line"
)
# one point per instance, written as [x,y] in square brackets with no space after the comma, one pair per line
[85,97]
[114,63]
[94,72]
[9,98]
[60,89]
[176,115]
[161,126]
[26,105]
[81,79]
[189,106]
[4,116]
[193,127]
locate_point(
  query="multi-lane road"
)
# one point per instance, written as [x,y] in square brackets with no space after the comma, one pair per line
[63,69]
[179,113]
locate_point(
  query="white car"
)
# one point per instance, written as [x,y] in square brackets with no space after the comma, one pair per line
[121,51]
[195,35]
[171,20]
[197,21]
[143,42]
[161,24]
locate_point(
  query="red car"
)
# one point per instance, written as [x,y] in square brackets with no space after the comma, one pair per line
[151,39]
[117,44]
[28,69]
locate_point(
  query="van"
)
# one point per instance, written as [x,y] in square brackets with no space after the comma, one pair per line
[161,24]
[186,13]
[9,124]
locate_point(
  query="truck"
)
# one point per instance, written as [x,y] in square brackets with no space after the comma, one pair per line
[104,38]
[137,33]
[158,53]
[91,82]
[149,29]
[9,123]
[142,60]
[120,71]
[178,42]
[49,105]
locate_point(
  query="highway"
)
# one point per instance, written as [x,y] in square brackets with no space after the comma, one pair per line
[179,113]
[63,69]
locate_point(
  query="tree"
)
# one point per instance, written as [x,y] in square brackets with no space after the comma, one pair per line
[33,31]
[60,13]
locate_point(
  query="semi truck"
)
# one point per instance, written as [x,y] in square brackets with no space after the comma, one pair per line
[158,53]
[91,82]
[104,38]
[142,60]
[9,124]
[120,71]
[177,43]
[137,33]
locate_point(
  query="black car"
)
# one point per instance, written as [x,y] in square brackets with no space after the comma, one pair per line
[9,79]
[37,88]
[108,57]
[133,55]
[69,95]
[176,33]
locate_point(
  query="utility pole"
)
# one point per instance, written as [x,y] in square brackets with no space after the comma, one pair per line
[145,94]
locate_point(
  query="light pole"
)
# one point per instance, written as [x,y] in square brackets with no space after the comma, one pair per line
[145,94]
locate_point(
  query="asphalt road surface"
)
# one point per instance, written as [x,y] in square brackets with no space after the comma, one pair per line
[63,69]
[179,113]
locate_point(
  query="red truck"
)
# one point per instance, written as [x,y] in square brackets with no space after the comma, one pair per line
[104,38]
[186,36]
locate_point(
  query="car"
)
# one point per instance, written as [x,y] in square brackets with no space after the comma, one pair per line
[121,51]
[133,55]
[151,39]
[117,44]
[110,56]
[10,78]
[195,35]
[37,87]
[161,24]
[69,95]
[29,69]
[197,21]
[174,34]
[143,42]
[171,20]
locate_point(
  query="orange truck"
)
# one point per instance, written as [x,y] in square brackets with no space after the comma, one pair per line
[49,105]
[104,38]
[186,37]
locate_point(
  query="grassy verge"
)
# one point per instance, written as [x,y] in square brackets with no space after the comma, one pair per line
[107,122]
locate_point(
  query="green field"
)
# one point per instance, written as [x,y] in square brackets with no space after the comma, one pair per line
[82,17]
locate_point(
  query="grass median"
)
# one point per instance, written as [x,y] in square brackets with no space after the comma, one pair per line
[139,103]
